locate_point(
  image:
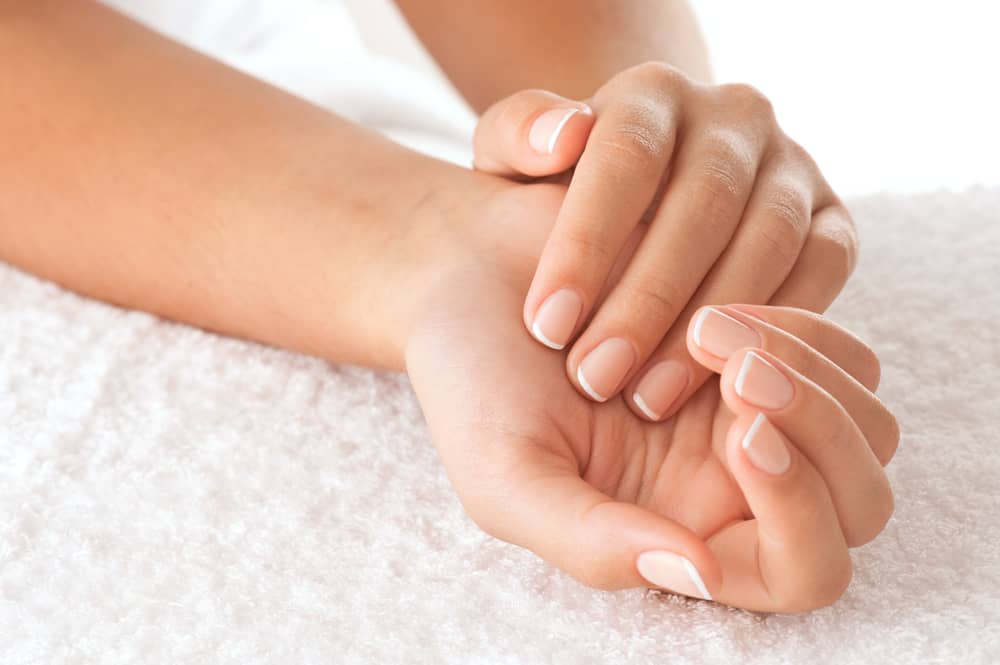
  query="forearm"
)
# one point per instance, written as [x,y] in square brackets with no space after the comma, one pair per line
[492,48]
[138,172]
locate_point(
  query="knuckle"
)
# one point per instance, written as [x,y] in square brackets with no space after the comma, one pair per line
[816,330]
[788,203]
[781,242]
[746,98]
[821,590]
[786,212]
[831,587]
[892,438]
[717,190]
[631,149]
[657,74]
[639,138]
[839,430]
[838,251]
[877,513]
[867,366]
[885,434]
[587,248]
[793,152]
[653,299]
[728,163]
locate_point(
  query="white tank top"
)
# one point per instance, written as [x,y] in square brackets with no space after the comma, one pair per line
[314,49]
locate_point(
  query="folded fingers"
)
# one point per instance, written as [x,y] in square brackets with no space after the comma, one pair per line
[792,556]
[813,346]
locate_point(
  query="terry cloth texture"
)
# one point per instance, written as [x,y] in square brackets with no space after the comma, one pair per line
[171,496]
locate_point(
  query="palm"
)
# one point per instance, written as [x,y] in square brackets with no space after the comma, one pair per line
[496,400]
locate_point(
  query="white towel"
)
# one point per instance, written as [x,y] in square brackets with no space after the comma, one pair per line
[170,496]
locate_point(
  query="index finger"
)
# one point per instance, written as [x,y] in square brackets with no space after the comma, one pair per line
[615,182]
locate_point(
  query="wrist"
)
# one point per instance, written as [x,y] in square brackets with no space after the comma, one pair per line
[430,226]
[475,227]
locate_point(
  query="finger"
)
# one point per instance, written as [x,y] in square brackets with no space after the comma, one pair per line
[751,268]
[718,332]
[825,263]
[615,181]
[713,176]
[757,381]
[792,556]
[532,133]
[606,544]
[840,345]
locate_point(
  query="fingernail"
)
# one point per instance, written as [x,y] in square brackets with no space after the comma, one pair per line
[603,369]
[762,384]
[721,334]
[764,447]
[556,318]
[546,129]
[660,388]
[672,572]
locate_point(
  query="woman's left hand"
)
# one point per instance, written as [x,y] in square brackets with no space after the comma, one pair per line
[751,493]
[737,212]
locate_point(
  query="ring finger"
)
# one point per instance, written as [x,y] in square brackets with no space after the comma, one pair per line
[713,177]
[753,266]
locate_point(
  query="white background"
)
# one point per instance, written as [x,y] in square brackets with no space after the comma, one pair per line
[886,95]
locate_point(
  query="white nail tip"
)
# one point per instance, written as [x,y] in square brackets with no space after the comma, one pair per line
[582,380]
[741,378]
[536,331]
[696,578]
[699,322]
[752,432]
[559,128]
[641,403]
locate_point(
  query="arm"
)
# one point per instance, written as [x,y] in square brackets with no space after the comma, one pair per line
[138,172]
[492,48]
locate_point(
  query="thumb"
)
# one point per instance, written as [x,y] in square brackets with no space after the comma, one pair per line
[602,542]
[531,133]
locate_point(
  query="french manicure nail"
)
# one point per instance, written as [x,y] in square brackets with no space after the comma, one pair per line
[546,129]
[556,318]
[721,335]
[762,384]
[660,388]
[672,572]
[764,448]
[601,372]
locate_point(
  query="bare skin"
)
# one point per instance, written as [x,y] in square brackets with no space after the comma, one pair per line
[571,47]
[590,487]
[143,174]
[734,210]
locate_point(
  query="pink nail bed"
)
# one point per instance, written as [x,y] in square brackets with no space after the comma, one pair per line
[762,384]
[545,131]
[721,335]
[764,448]
[660,388]
[556,318]
[602,370]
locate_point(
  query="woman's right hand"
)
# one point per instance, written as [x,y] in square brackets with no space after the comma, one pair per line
[751,493]
[736,212]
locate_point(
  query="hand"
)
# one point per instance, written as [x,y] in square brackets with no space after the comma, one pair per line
[736,212]
[755,511]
